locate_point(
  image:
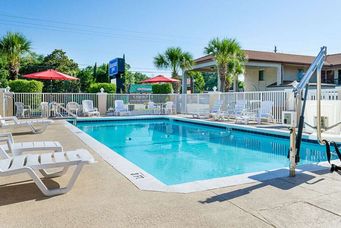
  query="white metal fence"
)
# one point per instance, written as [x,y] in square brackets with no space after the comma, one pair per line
[183,103]
[326,94]
[33,101]
[142,99]
[195,102]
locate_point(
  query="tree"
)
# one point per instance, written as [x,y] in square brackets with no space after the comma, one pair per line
[3,73]
[234,68]
[95,71]
[139,77]
[132,77]
[210,79]
[102,74]
[32,62]
[198,79]
[241,85]
[13,46]
[58,60]
[86,78]
[174,59]
[227,53]
[128,77]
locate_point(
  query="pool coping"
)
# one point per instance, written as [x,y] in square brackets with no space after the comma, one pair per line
[145,181]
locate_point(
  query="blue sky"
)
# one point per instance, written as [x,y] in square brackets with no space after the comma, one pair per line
[96,31]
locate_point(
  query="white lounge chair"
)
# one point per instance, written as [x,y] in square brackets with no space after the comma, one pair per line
[31,163]
[264,112]
[22,110]
[18,148]
[233,110]
[152,108]
[72,107]
[11,123]
[44,108]
[214,112]
[120,108]
[169,107]
[89,109]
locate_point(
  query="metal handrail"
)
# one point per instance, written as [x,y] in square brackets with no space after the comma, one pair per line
[65,110]
[317,63]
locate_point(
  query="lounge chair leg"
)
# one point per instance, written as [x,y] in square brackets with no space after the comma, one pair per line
[56,174]
[38,130]
[56,191]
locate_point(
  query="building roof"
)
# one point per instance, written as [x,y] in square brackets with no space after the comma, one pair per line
[334,59]
[264,56]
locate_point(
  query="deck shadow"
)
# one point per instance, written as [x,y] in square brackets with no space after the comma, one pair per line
[280,182]
[22,191]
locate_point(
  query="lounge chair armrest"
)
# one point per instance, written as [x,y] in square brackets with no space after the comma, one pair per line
[249,113]
[27,106]
[7,136]
[10,118]
[3,140]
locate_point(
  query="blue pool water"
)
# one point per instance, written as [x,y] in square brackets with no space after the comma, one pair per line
[178,152]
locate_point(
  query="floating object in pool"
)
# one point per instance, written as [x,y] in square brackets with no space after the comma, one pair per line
[129,139]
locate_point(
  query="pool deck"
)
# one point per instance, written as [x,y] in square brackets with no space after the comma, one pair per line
[102,197]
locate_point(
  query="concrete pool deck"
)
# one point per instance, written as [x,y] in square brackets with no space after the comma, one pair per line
[102,197]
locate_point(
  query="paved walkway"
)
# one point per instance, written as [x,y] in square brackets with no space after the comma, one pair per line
[102,197]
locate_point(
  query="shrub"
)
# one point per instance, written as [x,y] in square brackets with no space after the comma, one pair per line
[162,88]
[96,87]
[26,86]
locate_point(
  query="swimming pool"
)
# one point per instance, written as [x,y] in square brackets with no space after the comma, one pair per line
[177,152]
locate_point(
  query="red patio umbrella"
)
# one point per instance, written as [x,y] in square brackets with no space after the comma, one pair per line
[50,75]
[159,79]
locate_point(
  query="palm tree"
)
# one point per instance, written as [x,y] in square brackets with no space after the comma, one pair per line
[229,57]
[175,59]
[12,47]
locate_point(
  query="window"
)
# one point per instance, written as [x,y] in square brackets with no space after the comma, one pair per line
[327,76]
[300,74]
[261,75]
[323,76]
[339,77]
[330,76]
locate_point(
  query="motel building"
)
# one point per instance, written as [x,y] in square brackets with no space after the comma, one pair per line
[276,71]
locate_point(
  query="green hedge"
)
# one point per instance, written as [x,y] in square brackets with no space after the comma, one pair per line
[96,87]
[162,88]
[26,86]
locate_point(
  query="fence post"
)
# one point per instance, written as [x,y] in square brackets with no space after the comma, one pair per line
[3,103]
[102,102]
[6,102]
[183,103]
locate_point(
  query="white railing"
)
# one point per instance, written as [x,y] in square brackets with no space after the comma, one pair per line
[326,94]
[34,100]
[183,103]
[205,102]
[142,99]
